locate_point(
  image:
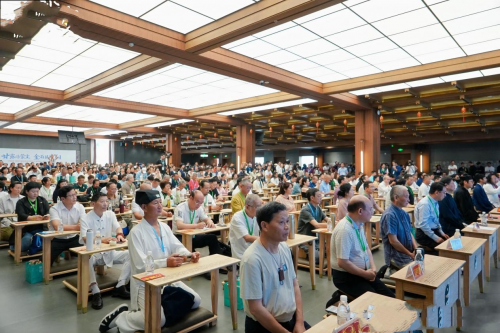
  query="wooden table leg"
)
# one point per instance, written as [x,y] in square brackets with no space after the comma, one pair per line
[223,236]
[152,304]
[368,234]
[312,264]
[232,297]
[214,287]
[399,291]
[377,233]
[84,281]
[295,252]
[17,246]
[46,259]
[321,254]
[329,257]
[79,284]
[486,262]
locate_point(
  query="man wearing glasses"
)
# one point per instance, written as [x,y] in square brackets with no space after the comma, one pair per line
[69,212]
[244,228]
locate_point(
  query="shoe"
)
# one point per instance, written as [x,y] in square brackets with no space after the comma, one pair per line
[109,321]
[121,292]
[207,276]
[97,301]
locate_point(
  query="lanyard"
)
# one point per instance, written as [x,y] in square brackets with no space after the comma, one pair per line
[47,191]
[21,180]
[191,217]
[363,246]
[206,198]
[242,197]
[250,231]
[35,207]
[158,239]
[433,206]
[314,212]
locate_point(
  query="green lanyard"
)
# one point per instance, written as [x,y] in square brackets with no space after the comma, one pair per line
[250,231]
[433,206]
[363,246]
[242,197]
[206,198]
[35,207]
[191,217]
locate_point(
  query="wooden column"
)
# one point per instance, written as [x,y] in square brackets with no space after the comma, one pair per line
[423,159]
[245,145]
[367,141]
[320,155]
[173,146]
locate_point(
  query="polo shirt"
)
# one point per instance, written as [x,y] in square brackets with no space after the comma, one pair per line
[82,188]
[307,214]
[423,190]
[101,177]
[346,245]
[183,213]
[239,229]
[325,187]
[395,221]
[67,217]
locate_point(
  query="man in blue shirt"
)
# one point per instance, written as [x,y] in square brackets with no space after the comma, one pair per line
[479,196]
[102,175]
[325,186]
[396,169]
[399,244]
[429,232]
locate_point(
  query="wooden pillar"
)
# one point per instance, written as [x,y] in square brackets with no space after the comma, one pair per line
[173,146]
[245,145]
[423,159]
[367,141]
[320,156]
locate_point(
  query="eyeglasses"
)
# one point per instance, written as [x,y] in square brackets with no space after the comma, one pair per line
[71,195]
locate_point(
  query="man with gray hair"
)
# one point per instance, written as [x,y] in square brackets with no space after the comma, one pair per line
[238,200]
[128,188]
[399,243]
[244,228]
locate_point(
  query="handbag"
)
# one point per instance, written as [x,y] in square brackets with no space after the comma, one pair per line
[83,198]
[36,245]
[176,304]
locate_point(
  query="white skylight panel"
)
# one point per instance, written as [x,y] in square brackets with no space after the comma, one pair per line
[83,68]
[462,76]
[109,53]
[393,87]
[457,8]
[28,63]
[182,72]
[93,114]
[347,65]
[491,71]
[172,122]
[44,54]
[371,47]
[30,75]
[352,3]
[478,36]
[420,35]
[441,55]
[425,82]
[13,78]
[239,42]
[53,37]
[298,65]
[215,9]
[130,7]
[315,72]
[184,84]
[65,110]
[109,132]
[206,77]
[291,37]
[487,46]
[405,22]
[7,9]
[312,48]
[362,92]
[378,10]
[13,105]
[330,77]
[277,28]
[431,46]
[383,57]
[333,23]
[175,17]
[278,57]
[143,96]
[268,106]
[255,48]
[56,81]
[361,71]
[45,128]
[473,22]
[397,64]
[203,89]
[319,13]
[227,83]
[354,36]
[331,57]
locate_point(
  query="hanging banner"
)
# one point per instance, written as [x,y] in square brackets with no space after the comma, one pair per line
[16,155]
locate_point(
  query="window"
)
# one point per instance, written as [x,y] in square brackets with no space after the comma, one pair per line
[102,151]
[306,160]
[259,160]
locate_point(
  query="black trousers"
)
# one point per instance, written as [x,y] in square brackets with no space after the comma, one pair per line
[425,240]
[252,326]
[356,285]
[60,245]
[205,240]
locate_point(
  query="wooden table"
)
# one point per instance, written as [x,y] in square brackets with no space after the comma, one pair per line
[389,315]
[411,211]
[368,231]
[293,244]
[188,234]
[325,200]
[18,231]
[380,202]
[490,234]
[299,203]
[173,274]
[46,253]
[472,254]
[325,236]
[8,215]
[83,271]
[332,208]
[440,285]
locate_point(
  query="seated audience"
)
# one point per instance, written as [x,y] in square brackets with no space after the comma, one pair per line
[8,206]
[492,190]
[479,197]
[345,194]
[244,228]
[450,217]
[285,198]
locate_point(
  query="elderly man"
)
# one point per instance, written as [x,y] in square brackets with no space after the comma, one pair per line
[238,200]
[149,236]
[353,267]
[429,232]
[244,229]
[269,286]
[128,188]
[399,244]
[384,187]
[325,187]
[179,190]
[369,189]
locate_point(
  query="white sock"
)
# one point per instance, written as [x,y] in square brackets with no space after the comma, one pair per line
[120,283]
[94,289]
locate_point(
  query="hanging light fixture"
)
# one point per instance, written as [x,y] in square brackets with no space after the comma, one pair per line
[293,129]
[463,110]
[251,131]
[270,130]
[345,125]
[381,121]
[175,139]
[317,127]
[215,134]
[419,114]
[133,143]
[187,138]
[201,136]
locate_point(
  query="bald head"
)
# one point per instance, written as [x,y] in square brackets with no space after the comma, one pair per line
[360,209]
[195,200]
[146,186]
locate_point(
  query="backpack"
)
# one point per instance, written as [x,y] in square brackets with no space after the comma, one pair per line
[36,245]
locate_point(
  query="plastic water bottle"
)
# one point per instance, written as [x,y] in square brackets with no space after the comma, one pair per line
[150,264]
[274,198]
[177,197]
[97,240]
[457,234]
[419,257]
[343,311]
[484,219]
[329,225]
[60,228]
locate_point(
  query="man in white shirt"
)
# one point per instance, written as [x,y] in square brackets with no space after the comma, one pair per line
[424,188]
[69,212]
[102,220]
[452,169]
[181,189]
[78,172]
[34,171]
[149,236]
[258,185]
[279,169]
[244,228]
[155,185]
[384,187]
[8,206]
[489,169]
